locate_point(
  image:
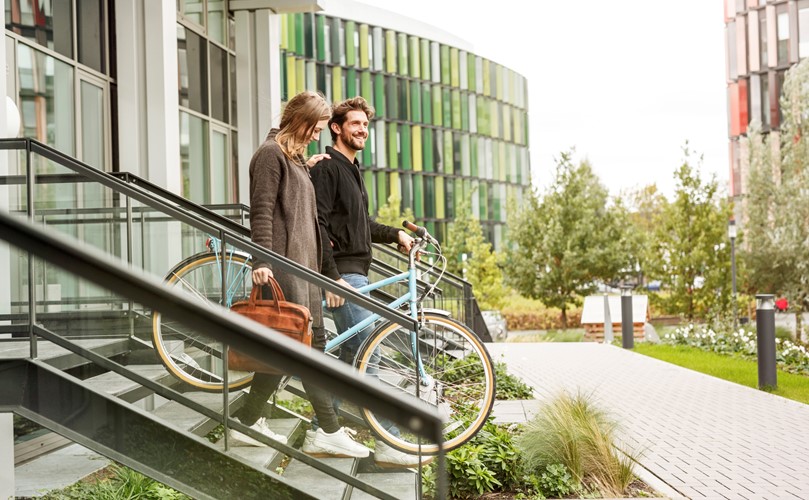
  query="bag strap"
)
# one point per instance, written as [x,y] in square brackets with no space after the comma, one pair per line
[278,294]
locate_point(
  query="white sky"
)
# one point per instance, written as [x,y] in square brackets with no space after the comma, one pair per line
[625,83]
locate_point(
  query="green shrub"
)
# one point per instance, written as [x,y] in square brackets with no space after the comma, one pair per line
[124,483]
[790,356]
[489,462]
[557,482]
[510,386]
[572,431]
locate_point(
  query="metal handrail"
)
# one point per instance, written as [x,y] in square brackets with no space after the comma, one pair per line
[224,326]
[179,212]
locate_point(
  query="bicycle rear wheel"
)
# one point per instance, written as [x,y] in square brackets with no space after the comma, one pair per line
[460,373]
[190,355]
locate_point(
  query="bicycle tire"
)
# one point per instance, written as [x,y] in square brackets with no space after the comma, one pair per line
[190,356]
[462,369]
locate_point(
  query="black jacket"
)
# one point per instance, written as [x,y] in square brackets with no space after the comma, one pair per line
[342,212]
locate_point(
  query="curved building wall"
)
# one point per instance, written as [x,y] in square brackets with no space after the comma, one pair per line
[449,125]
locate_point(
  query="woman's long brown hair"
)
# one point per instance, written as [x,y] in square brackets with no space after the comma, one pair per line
[298,122]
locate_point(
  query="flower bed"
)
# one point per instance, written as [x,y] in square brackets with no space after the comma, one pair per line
[791,357]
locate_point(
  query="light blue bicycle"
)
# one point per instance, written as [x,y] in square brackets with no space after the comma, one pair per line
[442,363]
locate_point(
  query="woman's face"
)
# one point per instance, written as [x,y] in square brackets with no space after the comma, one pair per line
[322,124]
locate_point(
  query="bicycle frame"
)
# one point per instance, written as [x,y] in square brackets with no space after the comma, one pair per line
[233,277]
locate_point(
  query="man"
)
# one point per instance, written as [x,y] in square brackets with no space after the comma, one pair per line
[348,231]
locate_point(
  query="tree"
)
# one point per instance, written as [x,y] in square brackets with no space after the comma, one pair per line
[481,269]
[644,205]
[567,240]
[777,253]
[391,213]
[690,254]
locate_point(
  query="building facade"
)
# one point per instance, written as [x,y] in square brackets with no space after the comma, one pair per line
[764,38]
[183,92]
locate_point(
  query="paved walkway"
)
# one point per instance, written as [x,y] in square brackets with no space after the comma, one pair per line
[704,437]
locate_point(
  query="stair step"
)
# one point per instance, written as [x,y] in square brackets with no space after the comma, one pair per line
[126,389]
[317,483]
[60,357]
[266,456]
[402,485]
[188,419]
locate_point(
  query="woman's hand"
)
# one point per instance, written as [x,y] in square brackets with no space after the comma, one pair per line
[314,159]
[261,276]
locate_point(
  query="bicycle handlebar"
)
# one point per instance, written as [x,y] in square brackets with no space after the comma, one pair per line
[420,231]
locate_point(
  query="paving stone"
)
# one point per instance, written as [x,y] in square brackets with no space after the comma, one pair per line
[705,437]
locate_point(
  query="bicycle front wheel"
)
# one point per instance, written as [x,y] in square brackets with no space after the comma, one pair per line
[190,355]
[458,379]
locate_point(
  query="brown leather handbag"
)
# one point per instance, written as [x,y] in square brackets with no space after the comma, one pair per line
[287,318]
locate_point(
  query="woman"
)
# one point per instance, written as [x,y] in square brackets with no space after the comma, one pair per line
[283,218]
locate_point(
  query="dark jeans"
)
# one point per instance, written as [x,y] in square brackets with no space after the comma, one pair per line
[264,385]
[345,317]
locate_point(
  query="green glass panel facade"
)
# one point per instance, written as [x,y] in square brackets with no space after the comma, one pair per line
[415,57]
[430,142]
[390,51]
[379,94]
[448,156]
[404,144]
[426,102]
[446,103]
[351,82]
[364,61]
[320,23]
[473,156]
[454,68]
[456,109]
[425,60]
[437,107]
[392,96]
[366,89]
[417,157]
[415,101]
[401,46]
[445,72]
[393,139]
[418,196]
[351,52]
[427,148]
[381,188]
[471,71]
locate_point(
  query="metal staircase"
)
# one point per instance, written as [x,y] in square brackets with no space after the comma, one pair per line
[75,355]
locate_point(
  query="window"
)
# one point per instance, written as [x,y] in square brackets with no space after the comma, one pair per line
[803,28]
[47,23]
[207,86]
[782,32]
[762,38]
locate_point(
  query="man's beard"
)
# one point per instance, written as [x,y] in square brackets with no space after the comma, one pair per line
[353,142]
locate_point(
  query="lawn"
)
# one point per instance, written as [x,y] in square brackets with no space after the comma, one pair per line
[569,335]
[741,371]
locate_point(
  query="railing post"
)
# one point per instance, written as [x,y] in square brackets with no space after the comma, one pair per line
[32,313]
[6,455]
[627,326]
[765,340]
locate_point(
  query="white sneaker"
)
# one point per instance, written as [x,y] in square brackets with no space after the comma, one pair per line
[338,444]
[240,439]
[390,458]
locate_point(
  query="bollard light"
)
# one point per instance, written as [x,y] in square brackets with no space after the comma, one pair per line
[732,235]
[765,302]
[627,325]
[765,341]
